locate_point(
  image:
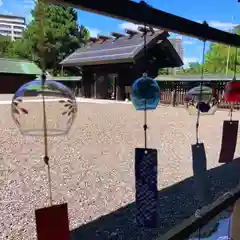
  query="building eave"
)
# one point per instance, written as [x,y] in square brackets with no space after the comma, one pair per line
[82,64]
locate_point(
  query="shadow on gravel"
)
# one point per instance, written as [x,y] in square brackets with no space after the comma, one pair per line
[175,203]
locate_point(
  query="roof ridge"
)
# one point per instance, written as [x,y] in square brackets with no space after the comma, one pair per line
[124,49]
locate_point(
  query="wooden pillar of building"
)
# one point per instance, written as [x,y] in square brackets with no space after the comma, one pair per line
[87,84]
[101,86]
[120,92]
[120,86]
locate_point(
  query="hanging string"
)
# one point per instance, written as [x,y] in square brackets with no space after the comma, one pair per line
[145,48]
[200,95]
[43,80]
[198,115]
[145,127]
[45,136]
[231,111]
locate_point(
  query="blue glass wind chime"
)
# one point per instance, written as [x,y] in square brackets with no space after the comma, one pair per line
[145,97]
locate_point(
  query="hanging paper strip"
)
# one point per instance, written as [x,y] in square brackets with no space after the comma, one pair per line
[199,162]
[52,223]
[146,187]
[229,141]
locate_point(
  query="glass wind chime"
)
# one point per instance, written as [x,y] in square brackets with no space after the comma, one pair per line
[146,96]
[46,108]
[200,100]
[230,127]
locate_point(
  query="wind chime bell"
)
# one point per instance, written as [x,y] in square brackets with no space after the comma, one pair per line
[145,93]
[201,98]
[232,91]
[60,108]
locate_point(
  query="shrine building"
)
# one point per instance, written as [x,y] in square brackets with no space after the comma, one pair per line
[110,64]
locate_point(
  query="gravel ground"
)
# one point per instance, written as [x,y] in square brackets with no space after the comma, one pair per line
[93,167]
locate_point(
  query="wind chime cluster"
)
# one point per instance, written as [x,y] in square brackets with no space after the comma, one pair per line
[48,108]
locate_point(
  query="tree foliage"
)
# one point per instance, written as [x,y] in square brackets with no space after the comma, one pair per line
[163,71]
[52,35]
[219,59]
[194,68]
[5,43]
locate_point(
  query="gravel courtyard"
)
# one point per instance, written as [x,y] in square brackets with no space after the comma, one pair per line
[93,167]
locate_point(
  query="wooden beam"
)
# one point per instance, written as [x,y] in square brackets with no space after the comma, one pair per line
[141,13]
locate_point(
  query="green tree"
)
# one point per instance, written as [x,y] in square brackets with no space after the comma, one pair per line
[218,59]
[51,36]
[220,56]
[194,68]
[163,71]
[5,45]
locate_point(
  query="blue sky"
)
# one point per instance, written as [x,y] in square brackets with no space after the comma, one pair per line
[218,13]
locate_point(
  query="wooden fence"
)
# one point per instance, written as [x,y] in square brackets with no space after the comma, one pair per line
[174,92]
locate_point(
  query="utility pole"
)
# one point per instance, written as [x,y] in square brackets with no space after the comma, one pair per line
[228,56]
[229,48]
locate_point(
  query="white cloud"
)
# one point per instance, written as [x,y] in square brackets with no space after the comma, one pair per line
[222,25]
[225,26]
[188,42]
[93,31]
[28,3]
[131,26]
[1,3]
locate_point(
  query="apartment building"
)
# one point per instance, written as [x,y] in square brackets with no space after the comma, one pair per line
[178,45]
[12,26]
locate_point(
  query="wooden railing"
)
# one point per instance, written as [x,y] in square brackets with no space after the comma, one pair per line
[202,217]
[181,88]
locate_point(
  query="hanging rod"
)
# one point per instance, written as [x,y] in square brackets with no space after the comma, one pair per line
[141,13]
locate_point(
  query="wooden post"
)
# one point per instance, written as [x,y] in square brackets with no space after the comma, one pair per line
[174,96]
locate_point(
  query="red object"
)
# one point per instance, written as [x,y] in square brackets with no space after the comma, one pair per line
[52,223]
[229,141]
[232,91]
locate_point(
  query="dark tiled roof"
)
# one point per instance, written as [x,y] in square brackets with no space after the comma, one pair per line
[124,49]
